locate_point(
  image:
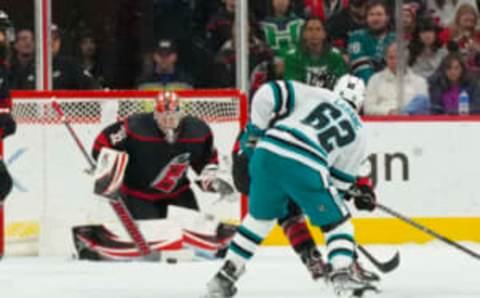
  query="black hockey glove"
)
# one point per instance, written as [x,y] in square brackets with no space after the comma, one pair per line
[8,126]
[363,194]
[6,182]
[241,178]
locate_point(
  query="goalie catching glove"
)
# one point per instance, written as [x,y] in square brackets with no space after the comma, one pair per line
[110,172]
[363,194]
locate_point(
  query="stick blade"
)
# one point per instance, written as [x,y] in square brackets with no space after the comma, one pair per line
[384,267]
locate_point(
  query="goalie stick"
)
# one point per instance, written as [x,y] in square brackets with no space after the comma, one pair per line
[116,203]
[428,231]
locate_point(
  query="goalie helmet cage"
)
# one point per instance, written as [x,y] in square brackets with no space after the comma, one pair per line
[52,193]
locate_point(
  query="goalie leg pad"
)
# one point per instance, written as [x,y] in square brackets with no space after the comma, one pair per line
[97,242]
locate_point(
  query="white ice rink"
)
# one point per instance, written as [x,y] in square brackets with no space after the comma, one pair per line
[426,271]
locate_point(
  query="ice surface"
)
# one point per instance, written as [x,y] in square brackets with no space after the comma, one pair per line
[426,271]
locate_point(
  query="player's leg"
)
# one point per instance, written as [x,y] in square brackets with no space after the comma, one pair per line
[328,211]
[267,202]
[295,228]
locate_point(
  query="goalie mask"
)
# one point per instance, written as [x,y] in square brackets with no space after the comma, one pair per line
[168,115]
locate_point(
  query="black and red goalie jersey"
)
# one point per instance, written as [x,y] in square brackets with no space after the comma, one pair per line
[157,167]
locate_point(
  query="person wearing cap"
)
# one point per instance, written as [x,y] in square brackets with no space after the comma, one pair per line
[164,73]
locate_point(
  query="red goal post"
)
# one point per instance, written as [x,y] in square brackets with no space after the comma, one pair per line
[47,167]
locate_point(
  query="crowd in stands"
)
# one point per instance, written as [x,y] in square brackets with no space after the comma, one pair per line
[193,46]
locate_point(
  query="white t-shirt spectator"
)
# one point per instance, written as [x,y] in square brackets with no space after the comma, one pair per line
[381,93]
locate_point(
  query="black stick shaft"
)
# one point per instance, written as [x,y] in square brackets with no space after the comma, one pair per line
[428,231]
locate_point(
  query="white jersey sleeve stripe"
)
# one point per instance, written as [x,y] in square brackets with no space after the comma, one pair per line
[284,95]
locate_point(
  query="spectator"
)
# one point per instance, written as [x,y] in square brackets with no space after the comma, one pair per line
[426,51]
[219,27]
[89,58]
[22,69]
[223,73]
[324,9]
[164,72]
[446,84]
[409,21]
[444,10]
[464,34]
[367,46]
[66,73]
[348,20]
[382,92]
[282,30]
[314,61]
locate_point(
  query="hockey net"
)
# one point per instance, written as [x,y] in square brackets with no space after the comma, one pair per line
[52,193]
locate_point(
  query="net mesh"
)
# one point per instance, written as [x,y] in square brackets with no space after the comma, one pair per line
[91,110]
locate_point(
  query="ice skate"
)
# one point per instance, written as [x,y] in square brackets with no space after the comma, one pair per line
[313,260]
[222,285]
[349,282]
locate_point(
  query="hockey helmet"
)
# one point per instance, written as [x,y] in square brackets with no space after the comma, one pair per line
[168,114]
[351,89]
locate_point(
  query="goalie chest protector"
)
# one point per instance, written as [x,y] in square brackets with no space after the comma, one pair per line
[158,169]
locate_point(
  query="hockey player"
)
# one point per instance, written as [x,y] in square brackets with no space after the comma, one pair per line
[306,136]
[7,123]
[293,224]
[161,146]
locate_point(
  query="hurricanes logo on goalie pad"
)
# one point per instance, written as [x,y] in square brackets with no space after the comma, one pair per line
[172,173]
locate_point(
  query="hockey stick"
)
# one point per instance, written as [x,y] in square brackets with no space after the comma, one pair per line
[427,230]
[116,203]
[384,267]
